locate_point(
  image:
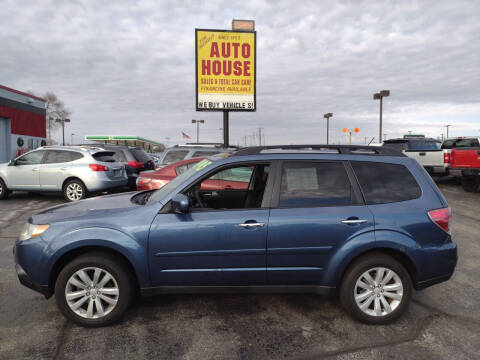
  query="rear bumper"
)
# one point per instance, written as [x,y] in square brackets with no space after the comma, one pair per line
[465,172]
[438,264]
[100,184]
[436,169]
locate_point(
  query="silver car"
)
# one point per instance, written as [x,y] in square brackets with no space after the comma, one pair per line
[74,170]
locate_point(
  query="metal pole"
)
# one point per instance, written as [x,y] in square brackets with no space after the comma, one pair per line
[380,132]
[225,128]
[328,118]
[198,130]
[63,132]
[350,137]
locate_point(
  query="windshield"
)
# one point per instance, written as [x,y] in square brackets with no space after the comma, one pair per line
[165,190]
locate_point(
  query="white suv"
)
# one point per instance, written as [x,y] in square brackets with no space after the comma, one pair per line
[74,170]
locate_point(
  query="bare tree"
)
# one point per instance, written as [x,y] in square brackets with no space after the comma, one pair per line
[55,110]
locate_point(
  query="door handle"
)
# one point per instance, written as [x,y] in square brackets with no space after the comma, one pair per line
[251,225]
[35,169]
[422,154]
[353,221]
[63,169]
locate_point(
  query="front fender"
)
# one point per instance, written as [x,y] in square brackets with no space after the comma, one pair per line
[134,250]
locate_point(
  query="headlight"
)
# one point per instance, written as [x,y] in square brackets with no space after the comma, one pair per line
[31,230]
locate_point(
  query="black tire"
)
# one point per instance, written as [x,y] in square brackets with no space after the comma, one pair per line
[469,183]
[3,190]
[107,262]
[355,271]
[75,184]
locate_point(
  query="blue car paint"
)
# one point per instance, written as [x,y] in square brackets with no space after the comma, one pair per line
[208,248]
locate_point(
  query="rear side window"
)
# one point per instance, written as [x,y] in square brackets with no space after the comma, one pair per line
[182,168]
[141,155]
[307,184]
[57,157]
[75,155]
[104,156]
[120,156]
[174,156]
[385,183]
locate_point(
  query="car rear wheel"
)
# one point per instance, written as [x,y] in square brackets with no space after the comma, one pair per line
[470,183]
[376,289]
[94,290]
[74,190]
[3,190]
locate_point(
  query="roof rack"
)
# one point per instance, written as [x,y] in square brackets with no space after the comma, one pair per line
[323,149]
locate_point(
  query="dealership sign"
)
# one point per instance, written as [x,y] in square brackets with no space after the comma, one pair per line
[225,70]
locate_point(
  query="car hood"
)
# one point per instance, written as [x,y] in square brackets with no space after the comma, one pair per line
[94,207]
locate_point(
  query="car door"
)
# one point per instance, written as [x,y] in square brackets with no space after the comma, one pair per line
[24,174]
[55,169]
[316,209]
[212,246]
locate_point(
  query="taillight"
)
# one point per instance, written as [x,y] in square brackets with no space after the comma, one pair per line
[136,164]
[98,167]
[441,217]
[446,158]
[143,181]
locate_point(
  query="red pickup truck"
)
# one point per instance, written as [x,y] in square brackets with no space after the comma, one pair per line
[465,161]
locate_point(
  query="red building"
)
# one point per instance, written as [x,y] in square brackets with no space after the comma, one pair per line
[22,123]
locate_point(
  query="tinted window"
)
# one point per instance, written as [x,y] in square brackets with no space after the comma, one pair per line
[32,158]
[174,156]
[307,184]
[466,143]
[57,157]
[75,155]
[448,144]
[141,155]
[385,183]
[422,144]
[104,156]
[204,153]
[120,156]
[397,145]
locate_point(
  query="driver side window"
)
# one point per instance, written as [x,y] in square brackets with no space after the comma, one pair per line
[32,158]
[240,187]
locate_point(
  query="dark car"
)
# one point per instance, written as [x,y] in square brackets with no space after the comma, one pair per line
[135,159]
[367,224]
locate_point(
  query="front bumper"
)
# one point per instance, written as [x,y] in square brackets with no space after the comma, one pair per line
[26,280]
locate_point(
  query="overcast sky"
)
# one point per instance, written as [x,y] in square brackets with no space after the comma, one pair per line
[128,68]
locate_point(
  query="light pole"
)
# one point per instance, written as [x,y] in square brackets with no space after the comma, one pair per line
[327,116]
[63,121]
[379,96]
[447,126]
[198,122]
[71,140]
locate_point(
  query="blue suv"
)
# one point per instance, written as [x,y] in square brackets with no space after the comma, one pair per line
[367,224]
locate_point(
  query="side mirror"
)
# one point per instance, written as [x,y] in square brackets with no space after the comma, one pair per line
[180,204]
[12,163]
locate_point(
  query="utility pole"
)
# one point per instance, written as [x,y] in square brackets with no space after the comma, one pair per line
[327,116]
[447,126]
[63,121]
[260,137]
[198,122]
[71,139]
[379,96]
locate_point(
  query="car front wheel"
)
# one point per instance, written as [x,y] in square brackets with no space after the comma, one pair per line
[376,289]
[3,190]
[94,290]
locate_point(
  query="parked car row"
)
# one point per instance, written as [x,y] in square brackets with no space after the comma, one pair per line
[458,157]
[309,218]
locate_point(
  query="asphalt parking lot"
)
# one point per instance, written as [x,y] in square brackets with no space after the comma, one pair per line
[443,321]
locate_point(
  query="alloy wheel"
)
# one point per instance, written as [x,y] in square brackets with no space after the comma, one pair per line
[92,292]
[74,192]
[378,291]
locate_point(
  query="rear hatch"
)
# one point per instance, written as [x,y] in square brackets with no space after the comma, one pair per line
[142,160]
[106,163]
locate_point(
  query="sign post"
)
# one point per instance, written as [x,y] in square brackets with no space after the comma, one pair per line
[225,72]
